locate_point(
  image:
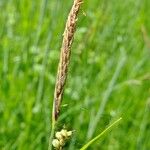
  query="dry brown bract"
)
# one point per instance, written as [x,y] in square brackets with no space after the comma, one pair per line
[65,57]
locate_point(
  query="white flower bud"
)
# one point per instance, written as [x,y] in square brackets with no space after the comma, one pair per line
[64,133]
[62,142]
[69,133]
[58,135]
[55,143]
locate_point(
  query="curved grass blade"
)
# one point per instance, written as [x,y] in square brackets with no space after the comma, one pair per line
[101,134]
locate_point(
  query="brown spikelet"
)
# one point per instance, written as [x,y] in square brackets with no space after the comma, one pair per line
[65,57]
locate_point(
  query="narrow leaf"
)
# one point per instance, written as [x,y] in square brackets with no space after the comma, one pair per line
[101,134]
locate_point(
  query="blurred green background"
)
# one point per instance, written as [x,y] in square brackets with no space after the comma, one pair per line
[109,73]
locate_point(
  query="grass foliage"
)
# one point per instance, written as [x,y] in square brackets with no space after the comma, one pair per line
[101,134]
[109,74]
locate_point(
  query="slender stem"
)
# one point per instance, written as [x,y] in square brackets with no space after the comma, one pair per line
[51,136]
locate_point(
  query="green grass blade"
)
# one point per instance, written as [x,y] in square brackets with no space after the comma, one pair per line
[101,134]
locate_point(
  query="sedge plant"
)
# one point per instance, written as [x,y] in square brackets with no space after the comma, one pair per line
[62,75]
[59,138]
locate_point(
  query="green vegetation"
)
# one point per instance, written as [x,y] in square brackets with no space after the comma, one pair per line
[100,135]
[109,74]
